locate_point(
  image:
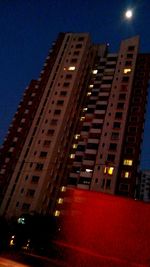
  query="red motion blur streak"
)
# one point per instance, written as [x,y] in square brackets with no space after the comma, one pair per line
[105,230]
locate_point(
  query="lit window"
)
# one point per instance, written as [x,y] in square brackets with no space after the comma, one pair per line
[89,93]
[125,71]
[91,85]
[60,200]
[95,71]
[126,175]
[128,162]
[72,156]
[84,109]
[89,170]
[56,213]
[72,68]
[82,118]
[63,189]
[77,136]
[108,170]
[74,145]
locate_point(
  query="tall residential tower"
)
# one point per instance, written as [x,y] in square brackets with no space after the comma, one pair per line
[80,124]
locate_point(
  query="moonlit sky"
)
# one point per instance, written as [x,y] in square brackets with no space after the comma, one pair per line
[28,28]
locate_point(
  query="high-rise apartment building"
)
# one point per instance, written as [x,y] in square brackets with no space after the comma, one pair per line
[80,124]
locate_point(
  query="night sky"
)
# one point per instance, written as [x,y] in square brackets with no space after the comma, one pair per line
[28,28]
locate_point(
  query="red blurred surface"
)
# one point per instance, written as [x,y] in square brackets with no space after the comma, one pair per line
[103,230]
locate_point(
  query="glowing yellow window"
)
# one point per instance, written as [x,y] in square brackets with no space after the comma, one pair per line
[74,145]
[125,71]
[95,71]
[110,170]
[60,200]
[77,136]
[72,68]
[57,213]
[82,118]
[89,93]
[72,156]
[128,162]
[84,109]
[126,174]
[91,85]
[63,189]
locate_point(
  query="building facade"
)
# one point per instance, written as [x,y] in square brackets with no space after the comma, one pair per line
[80,124]
[145,186]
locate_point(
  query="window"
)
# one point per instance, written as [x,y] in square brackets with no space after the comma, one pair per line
[118,115]
[115,136]
[132,129]
[50,132]
[35,179]
[128,162]
[74,60]
[63,93]
[76,53]
[116,125]
[125,174]
[39,166]
[113,146]
[54,122]
[57,213]
[120,105]
[30,192]
[129,55]
[43,154]
[102,183]
[124,87]
[111,157]
[47,143]
[125,78]
[79,46]
[128,63]
[72,156]
[131,48]
[126,71]
[108,170]
[95,71]
[60,102]
[68,76]
[71,68]
[66,84]
[80,39]
[25,206]
[57,112]
[124,187]
[122,96]
[108,183]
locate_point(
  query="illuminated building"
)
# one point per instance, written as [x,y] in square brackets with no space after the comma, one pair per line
[80,124]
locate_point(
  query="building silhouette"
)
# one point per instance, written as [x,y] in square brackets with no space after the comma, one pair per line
[80,124]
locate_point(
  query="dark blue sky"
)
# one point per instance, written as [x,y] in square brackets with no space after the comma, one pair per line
[28,27]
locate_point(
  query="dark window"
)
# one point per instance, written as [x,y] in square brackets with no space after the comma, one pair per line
[50,132]
[60,102]
[73,60]
[113,146]
[47,143]
[108,184]
[125,78]
[54,122]
[131,139]
[132,129]
[118,115]
[110,157]
[128,63]
[25,206]
[102,183]
[79,46]
[43,154]
[66,84]
[131,48]
[116,125]
[122,96]
[57,111]
[124,87]
[120,105]
[63,93]
[35,179]
[68,76]
[114,136]
[80,39]
[76,53]
[124,187]
[30,192]
[39,166]
[129,55]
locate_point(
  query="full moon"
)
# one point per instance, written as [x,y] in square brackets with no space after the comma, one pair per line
[129,14]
